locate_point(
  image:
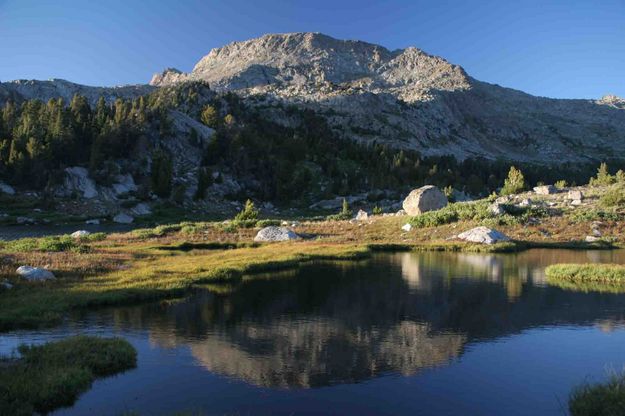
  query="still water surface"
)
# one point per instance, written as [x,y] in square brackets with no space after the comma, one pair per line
[406,333]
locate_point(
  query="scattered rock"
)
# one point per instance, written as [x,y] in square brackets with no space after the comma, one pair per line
[93,222]
[545,190]
[122,218]
[362,215]
[483,235]
[6,189]
[400,213]
[80,234]
[591,239]
[274,233]
[5,284]
[406,227]
[35,273]
[25,220]
[575,195]
[427,198]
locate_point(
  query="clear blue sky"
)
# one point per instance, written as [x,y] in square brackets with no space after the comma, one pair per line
[568,48]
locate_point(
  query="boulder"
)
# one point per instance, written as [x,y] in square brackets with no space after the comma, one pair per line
[124,184]
[141,209]
[406,227]
[525,202]
[545,190]
[35,273]
[274,233]
[496,209]
[93,222]
[80,234]
[483,235]
[362,215]
[122,218]
[400,213]
[575,195]
[6,285]
[427,198]
[6,189]
[77,180]
[591,239]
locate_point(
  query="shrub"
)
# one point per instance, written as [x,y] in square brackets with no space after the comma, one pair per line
[50,243]
[593,215]
[249,212]
[267,223]
[377,210]
[514,183]
[603,177]
[345,214]
[561,184]
[614,197]
[459,211]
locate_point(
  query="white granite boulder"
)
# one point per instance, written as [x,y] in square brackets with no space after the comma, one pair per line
[483,235]
[35,273]
[274,233]
[545,190]
[362,215]
[406,227]
[80,234]
[427,198]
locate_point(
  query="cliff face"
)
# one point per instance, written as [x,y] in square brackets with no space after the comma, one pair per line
[409,99]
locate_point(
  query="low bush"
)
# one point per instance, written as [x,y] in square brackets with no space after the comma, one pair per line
[613,197]
[594,215]
[345,214]
[51,243]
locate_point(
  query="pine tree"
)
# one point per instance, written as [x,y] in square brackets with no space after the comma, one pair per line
[514,183]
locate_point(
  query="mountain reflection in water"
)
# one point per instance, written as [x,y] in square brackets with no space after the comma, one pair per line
[351,321]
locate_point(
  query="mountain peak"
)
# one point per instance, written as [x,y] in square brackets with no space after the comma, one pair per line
[302,63]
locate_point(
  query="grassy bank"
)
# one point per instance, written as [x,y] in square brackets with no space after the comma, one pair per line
[52,375]
[601,399]
[587,277]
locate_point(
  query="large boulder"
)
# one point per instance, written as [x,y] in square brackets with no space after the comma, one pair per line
[483,235]
[141,209]
[35,273]
[124,184]
[545,190]
[362,215]
[274,233]
[427,198]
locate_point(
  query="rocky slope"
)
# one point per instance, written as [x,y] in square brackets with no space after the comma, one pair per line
[409,99]
[44,90]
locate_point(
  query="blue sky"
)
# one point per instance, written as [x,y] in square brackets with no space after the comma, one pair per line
[567,49]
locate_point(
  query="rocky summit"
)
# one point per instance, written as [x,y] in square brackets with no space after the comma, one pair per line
[409,99]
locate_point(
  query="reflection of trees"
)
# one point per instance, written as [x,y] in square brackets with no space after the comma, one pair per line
[398,313]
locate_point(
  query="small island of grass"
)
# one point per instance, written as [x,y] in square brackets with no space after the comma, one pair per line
[53,375]
[587,277]
[601,399]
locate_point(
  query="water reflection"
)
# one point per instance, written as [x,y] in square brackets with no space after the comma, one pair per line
[393,314]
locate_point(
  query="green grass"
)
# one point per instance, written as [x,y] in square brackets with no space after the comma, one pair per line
[587,277]
[52,375]
[601,399]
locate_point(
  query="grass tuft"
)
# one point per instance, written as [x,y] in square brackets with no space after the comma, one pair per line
[601,399]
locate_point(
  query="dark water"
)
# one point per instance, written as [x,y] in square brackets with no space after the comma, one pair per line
[408,333]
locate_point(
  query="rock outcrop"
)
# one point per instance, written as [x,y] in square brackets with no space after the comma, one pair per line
[427,198]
